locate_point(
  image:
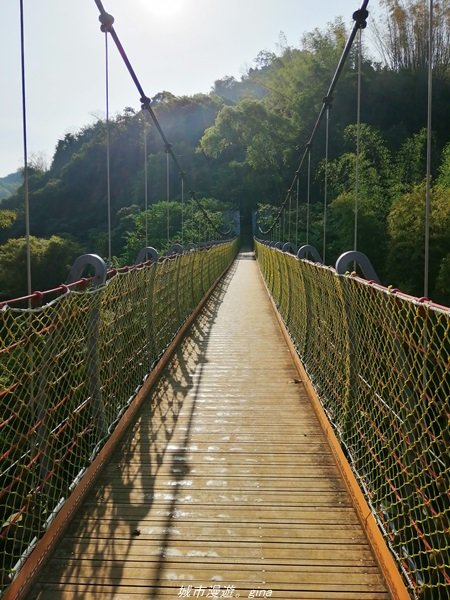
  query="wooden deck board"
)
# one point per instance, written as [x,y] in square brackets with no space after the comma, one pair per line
[225,482]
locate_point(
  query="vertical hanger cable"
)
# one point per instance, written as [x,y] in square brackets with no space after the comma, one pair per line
[182,209]
[289,217]
[308,195]
[358,142]
[325,197]
[25,151]
[108,146]
[168,193]
[296,212]
[428,175]
[145,180]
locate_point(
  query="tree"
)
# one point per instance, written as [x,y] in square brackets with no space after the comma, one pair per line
[402,34]
[9,184]
[406,243]
[51,260]
[227,88]
[162,223]
[7,218]
[410,162]
[248,133]
[444,169]
[374,196]
[299,78]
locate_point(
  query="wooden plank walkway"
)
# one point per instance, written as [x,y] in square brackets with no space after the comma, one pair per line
[225,487]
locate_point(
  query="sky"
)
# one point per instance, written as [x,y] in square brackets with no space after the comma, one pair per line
[181,46]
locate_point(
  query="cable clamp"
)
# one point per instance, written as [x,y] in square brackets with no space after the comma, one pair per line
[106,21]
[328,101]
[145,102]
[360,16]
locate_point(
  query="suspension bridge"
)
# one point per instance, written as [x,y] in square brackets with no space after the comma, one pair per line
[225,422]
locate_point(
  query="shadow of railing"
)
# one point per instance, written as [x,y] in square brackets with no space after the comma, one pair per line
[126,504]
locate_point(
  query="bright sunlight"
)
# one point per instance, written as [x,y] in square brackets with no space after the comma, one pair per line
[165,9]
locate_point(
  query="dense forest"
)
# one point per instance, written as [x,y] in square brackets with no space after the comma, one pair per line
[240,145]
[9,184]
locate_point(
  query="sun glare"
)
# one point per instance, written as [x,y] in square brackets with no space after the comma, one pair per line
[165,9]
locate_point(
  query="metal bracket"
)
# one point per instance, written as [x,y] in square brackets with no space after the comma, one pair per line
[306,250]
[360,259]
[176,249]
[147,253]
[290,248]
[88,260]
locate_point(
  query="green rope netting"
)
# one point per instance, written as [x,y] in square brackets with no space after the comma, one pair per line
[69,369]
[380,363]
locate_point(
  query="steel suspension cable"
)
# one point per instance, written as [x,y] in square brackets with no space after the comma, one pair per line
[325,194]
[108,146]
[107,25]
[168,194]
[359,17]
[308,195]
[25,150]
[296,211]
[289,215]
[358,141]
[29,351]
[145,180]
[428,175]
[182,209]
[191,203]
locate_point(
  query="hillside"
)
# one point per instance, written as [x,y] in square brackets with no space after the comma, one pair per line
[10,184]
[240,146]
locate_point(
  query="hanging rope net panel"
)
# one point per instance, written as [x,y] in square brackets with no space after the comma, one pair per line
[379,362]
[70,369]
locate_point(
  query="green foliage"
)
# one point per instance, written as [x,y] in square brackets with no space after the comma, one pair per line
[250,134]
[442,288]
[363,185]
[266,215]
[402,35]
[7,218]
[71,197]
[406,240]
[444,170]
[241,145]
[51,260]
[232,91]
[10,184]
[166,223]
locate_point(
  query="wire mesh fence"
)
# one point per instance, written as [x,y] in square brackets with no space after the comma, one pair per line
[69,369]
[380,363]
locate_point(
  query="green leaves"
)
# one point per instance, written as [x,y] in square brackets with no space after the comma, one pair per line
[248,133]
[166,223]
[7,218]
[51,260]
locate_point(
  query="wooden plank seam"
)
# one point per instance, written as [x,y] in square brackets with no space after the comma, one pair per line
[33,565]
[377,542]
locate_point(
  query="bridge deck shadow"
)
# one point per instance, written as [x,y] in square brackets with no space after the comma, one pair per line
[225,483]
